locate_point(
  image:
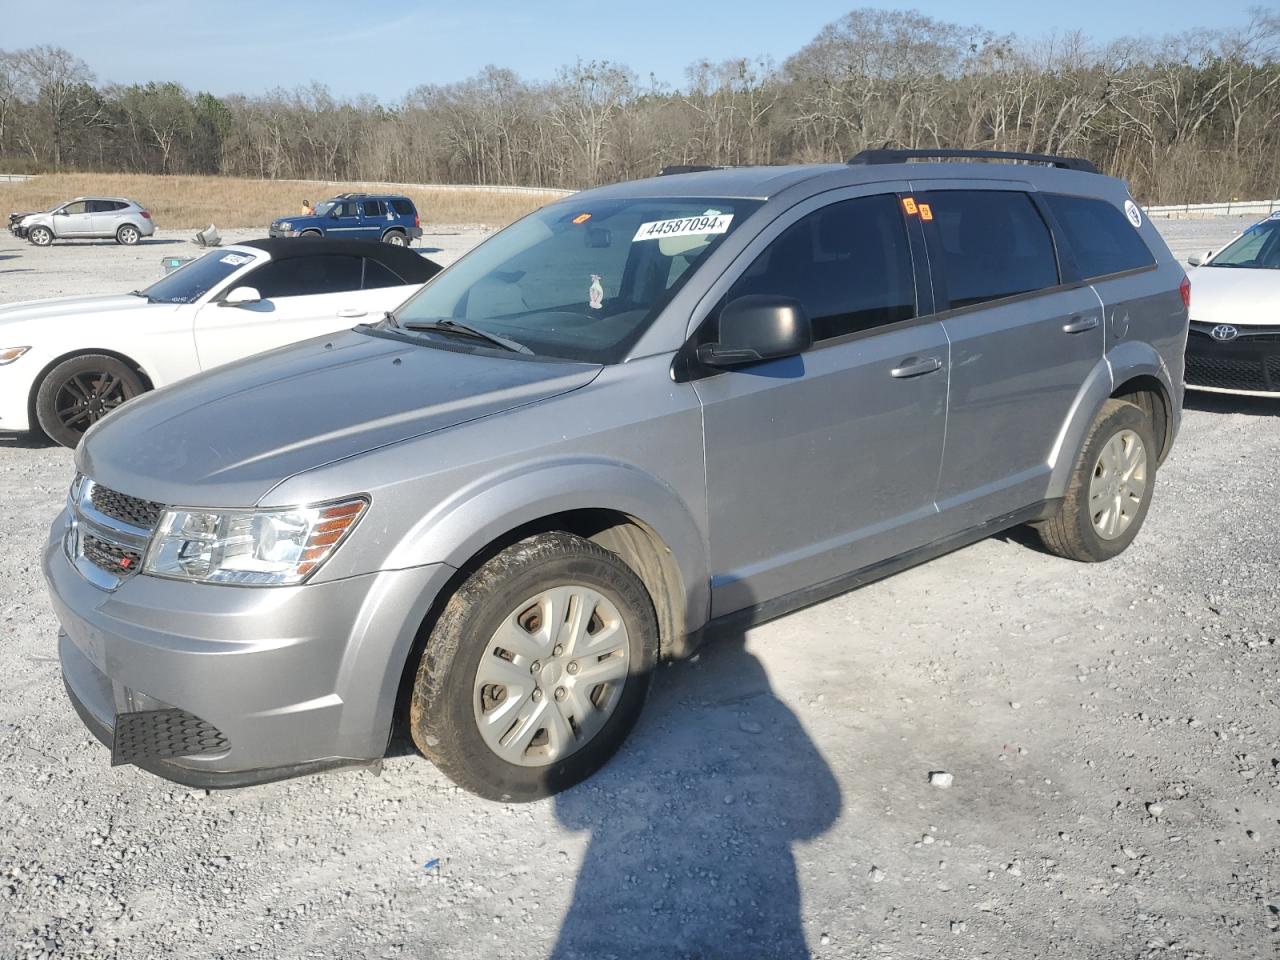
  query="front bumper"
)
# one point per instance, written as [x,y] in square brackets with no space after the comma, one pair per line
[15,393]
[274,231]
[293,678]
[1248,364]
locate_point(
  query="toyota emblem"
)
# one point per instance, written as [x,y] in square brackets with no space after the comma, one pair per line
[1224,331]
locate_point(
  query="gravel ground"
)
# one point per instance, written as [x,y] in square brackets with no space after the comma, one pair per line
[1112,734]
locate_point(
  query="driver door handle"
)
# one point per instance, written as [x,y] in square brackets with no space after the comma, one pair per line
[915,367]
[1080,324]
[351,312]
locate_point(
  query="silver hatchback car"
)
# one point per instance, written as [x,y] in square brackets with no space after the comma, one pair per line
[88,218]
[634,418]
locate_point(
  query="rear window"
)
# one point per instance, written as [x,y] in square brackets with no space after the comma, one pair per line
[402,206]
[1101,237]
[994,245]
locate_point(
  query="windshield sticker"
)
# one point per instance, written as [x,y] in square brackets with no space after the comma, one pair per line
[595,295]
[1133,213]
[581,219]
[684,227]
[236,259]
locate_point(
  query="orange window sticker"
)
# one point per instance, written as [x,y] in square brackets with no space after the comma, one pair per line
[909,205]
[925,212]
[582,218]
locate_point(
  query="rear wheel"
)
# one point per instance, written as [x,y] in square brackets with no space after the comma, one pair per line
[128,235]
[40,236]
[79,392]
[536,670]
[396,238]
[1110,490]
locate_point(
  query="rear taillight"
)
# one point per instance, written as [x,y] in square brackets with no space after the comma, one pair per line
[1184,288]
[146,215]
[417,221]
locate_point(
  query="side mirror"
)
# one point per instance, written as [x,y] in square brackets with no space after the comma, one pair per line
[758,327]
[241,297]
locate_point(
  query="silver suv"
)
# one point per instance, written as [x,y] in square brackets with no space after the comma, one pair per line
[635,417]
[88,218]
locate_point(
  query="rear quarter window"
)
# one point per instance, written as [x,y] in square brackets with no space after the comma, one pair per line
[1101,237]
[402,206]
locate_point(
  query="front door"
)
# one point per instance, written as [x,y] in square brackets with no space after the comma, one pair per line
[824,463]
[344,220]
[73,220]
[1022,346]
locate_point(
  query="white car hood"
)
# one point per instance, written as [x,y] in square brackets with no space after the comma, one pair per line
[13,314]
[1241,296]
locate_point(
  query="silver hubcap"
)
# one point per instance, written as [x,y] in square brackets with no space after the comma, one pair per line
[551,675]
[41,238]
[1118,484]
[128,236]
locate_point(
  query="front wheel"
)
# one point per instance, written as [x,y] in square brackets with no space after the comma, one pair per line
[79,392]
[536,670]
[128,235]
[1110,490]
[40,236]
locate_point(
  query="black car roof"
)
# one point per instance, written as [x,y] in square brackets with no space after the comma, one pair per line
[410,266]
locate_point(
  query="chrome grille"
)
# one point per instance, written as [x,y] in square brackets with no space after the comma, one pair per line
[120,506]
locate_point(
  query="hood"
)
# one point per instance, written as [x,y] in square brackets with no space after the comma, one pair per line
[1242,296]
[227,437]
[62,306]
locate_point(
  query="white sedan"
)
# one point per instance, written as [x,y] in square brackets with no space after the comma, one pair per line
[66,363]
[1234,342]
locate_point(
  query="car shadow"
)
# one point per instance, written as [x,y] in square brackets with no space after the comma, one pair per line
[1204,402]
[692,824]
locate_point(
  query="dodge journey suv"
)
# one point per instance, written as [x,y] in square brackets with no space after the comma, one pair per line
[635,417]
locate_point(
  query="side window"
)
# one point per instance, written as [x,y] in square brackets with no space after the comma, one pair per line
[848,263]
[97,206]
[346,209]
[379,275]
[1101,237]
[402,206]
[112,206]
[307,276]
[373,208]
[994,244]
[80,206]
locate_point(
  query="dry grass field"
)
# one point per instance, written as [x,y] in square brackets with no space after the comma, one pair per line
[193,202]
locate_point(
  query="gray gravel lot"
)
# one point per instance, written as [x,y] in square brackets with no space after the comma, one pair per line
[1113,734]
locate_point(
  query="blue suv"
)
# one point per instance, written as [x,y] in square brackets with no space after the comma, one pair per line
[356,216]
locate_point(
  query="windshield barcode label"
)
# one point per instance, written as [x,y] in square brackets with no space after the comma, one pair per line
[684,227]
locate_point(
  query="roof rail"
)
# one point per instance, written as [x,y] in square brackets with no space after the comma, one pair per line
[674,168]
[902,156]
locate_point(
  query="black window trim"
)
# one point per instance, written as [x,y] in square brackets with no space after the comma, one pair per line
[1066,242]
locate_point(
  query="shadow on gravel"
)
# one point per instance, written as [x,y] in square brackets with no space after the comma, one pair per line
[24,441]
[1231,403]
[692,824]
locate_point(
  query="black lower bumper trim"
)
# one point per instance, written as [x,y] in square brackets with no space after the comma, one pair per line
[211,779]
[1250,363]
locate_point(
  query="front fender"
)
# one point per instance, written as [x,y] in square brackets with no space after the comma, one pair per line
[462,525]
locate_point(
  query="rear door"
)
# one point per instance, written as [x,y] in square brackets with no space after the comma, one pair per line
[826,462]
[1022,340]
[106,216]
[302,297]
[373,219]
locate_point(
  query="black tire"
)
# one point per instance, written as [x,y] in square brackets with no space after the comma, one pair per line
[310,233]
[128,235]
[40,236]
[396,238]
[442,717]
[1071,532]
[79,392]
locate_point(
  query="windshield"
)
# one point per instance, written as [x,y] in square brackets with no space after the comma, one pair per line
[323,208]
[193,280]
[579,281]
[1259,246]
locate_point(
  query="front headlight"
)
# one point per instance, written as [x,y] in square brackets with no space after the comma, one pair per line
[250,547]
[285,225]
[10,354]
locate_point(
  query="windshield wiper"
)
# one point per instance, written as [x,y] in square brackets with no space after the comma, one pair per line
[459,329]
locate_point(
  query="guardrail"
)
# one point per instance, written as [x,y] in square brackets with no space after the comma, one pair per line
[16,177]
[1231,208]
[483,188]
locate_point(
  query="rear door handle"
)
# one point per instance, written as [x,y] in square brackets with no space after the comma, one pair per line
[351,312]
[915,367]
[1080,324]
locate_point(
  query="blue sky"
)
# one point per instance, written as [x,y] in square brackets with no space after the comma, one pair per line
[387,48]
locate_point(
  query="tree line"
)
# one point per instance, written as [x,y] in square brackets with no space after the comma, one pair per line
[1188,117]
